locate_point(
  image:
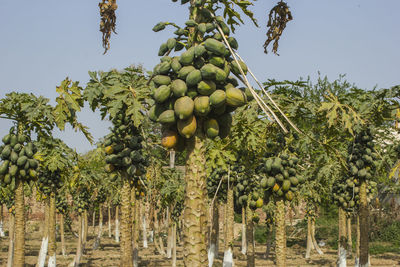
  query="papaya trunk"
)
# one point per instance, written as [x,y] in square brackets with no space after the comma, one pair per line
[19,254]
[250,238]
[78,254]
[160,242]
[126,226]
[194,215]
[309,239]
[349,239]
[244,241]
[169,237]
[269,241]
[100,229]
[229,235]
[86,227]
[45,238]
[11,236]
[135,240]
[1,221]
[357,258]
[117,224]
[109,219]
[342,246]
[144,227]
[213,249]
[280,246]
[52,232]
[63,250]
[364,246]
[314,241]
[174,245]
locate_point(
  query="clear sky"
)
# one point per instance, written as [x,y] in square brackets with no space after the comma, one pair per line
[42,42]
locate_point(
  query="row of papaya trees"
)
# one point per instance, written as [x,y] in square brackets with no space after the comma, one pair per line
[317,143]
[283,170]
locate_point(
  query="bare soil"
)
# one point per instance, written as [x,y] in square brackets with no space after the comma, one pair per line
[108,253]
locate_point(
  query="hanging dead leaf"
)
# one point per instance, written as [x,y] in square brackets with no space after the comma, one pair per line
[279,16]
[108,20]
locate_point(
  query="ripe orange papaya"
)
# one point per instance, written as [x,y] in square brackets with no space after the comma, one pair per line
[169,139]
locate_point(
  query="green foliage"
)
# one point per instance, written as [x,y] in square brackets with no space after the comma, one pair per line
[69,102]
[31,112]
[111,91]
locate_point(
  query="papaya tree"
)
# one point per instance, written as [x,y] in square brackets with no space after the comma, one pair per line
[120,96]
[56,159]
[376,110]
[34,114]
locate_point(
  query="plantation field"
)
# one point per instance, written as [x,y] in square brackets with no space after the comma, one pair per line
[109,252]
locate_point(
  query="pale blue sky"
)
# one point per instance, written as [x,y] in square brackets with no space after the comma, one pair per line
[42,42]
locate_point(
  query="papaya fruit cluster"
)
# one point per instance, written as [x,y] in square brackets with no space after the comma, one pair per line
[17,154]
[196,90]
[81,199]
[278,176]
[213,180]
[123,148]
[61,204]
[346,194]
[362,157]
[49,182]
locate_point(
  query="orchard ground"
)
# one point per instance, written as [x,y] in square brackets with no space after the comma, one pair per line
[382,253]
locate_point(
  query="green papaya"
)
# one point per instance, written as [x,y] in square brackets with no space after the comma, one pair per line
[5,154]
[202,28]
[199,50]
[13,157]
[13,170]
[211,128]
[210,27]
[166,59]
[235,97]
[155,111]
[220,75]
[206,87]
[4,167]
[175,65]
[163,49]
[217,61]
[193,78]
[218,98]
[6,139]
[233,43]
[202,106]
[21,138]
[7,179]
[192,93]
[215,46]
[184,107]
[33,164]
[167,117]
[21,161]
[164,67]
[171,42]
[294,181]
[191,23]
[159,27]
[187,57]
[162,93]
[184,72]
[208,71]
[178,88]
[13,140]
[286,185]
[161,80]
[235,67]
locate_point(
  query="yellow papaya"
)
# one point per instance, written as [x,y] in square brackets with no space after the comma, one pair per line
[187,128]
